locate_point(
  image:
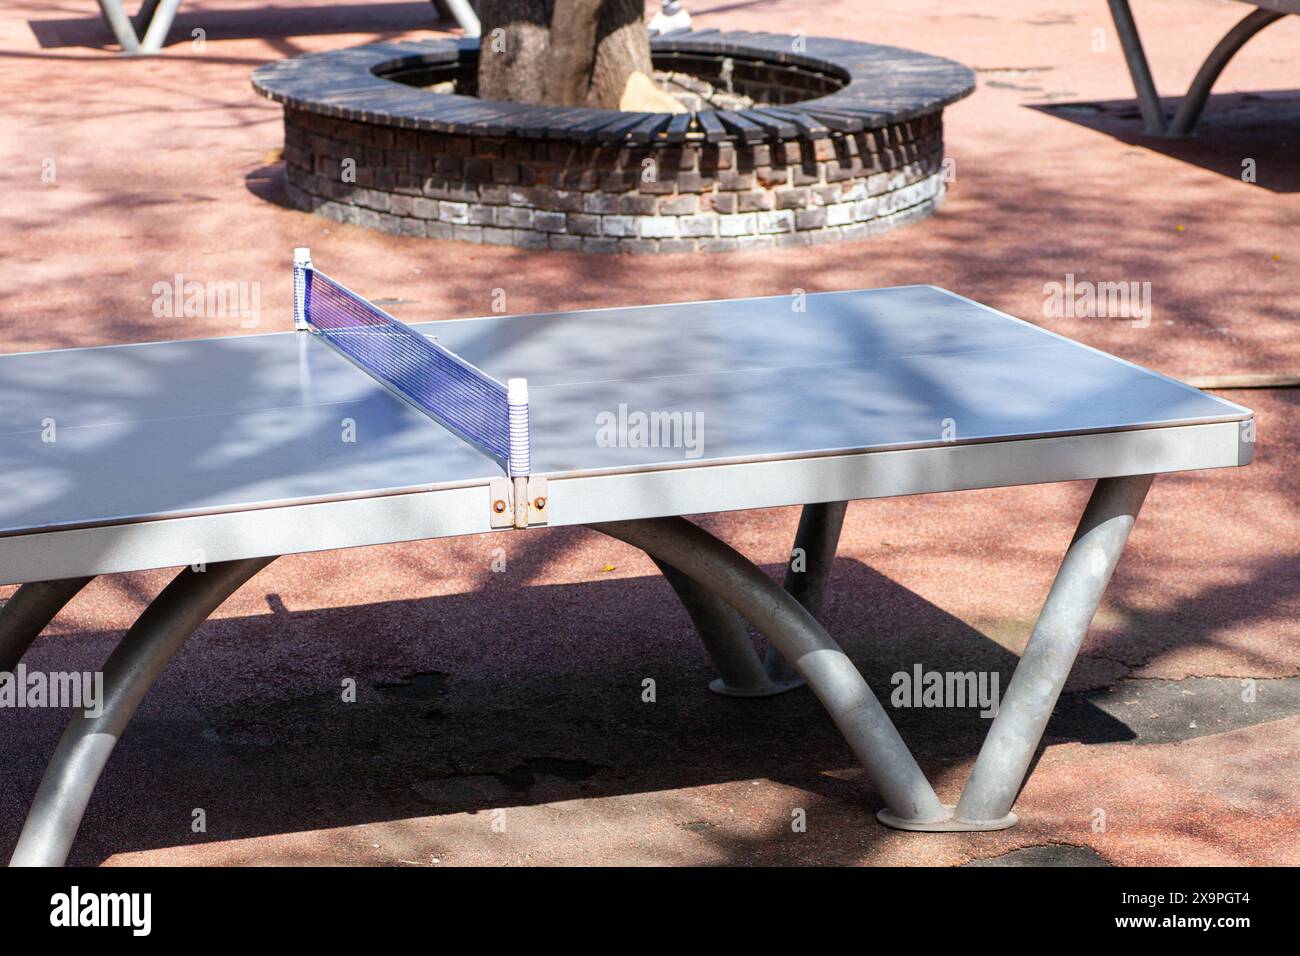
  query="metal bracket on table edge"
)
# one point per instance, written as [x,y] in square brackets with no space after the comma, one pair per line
[518,502]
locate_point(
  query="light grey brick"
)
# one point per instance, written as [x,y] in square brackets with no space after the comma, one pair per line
[456,213]
[780,221]
[657,227]
[618,226]
[702,225]
[738,225]
[839,214]
[515,216]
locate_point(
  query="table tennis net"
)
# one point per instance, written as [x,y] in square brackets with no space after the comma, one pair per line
[464,399]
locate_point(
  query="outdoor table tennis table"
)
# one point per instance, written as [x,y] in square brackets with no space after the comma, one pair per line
[218,455]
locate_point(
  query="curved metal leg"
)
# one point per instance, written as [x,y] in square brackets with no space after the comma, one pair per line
[144,16]
[121,25]
[724,636]
[159,24]
[27,613]
[130,671]
[818,538]
[1189,111]
[800,639]
[722,630]
[1025,708]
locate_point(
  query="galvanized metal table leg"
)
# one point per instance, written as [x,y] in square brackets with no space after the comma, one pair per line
[1189,111]
[797,635]
[26,614]
[1153,113]
[724,636]
[817,540]
[1044,666]
[144,16]
[121,25]
[161,22]
[130,671]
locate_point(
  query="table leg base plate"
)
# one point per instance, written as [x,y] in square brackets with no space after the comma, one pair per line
[949,825]
[771,689]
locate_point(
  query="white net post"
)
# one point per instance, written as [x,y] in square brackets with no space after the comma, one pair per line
[520,454]
[301,266]
[520,462]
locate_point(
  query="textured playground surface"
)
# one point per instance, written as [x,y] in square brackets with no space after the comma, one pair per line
[512,681]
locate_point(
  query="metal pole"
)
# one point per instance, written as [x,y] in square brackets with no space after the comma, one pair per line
[1044,666]
[724,636]
[156,34]
[131,670]
[144,16]
[463,12]
[120,24]
[798,636]
[27,613]
[1153,114]
[818,538]
[1190,108]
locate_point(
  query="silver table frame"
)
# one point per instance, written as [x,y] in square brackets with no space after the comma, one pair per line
[1189,110]
[719,587]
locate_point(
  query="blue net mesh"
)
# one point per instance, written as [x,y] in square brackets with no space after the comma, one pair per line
[446,387]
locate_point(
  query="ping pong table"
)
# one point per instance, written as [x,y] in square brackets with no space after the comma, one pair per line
[217,456]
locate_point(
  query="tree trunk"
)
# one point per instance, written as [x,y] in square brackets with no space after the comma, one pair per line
[513,49]
[565,52]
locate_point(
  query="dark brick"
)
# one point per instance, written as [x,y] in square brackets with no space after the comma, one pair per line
[791,198]
[633,204]
[679,205]
[814,218]
[677,245]
[584,225]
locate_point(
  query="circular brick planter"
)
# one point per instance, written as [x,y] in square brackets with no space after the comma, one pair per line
[845,140]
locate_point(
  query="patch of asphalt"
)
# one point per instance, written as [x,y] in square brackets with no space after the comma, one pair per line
[1142,711]
[1052,854]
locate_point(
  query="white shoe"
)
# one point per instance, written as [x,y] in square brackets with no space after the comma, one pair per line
[662,23]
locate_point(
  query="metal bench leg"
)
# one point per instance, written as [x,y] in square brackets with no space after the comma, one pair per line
[130,671]
[1025,708]
[1189,111]
[27,613]
[781,619]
